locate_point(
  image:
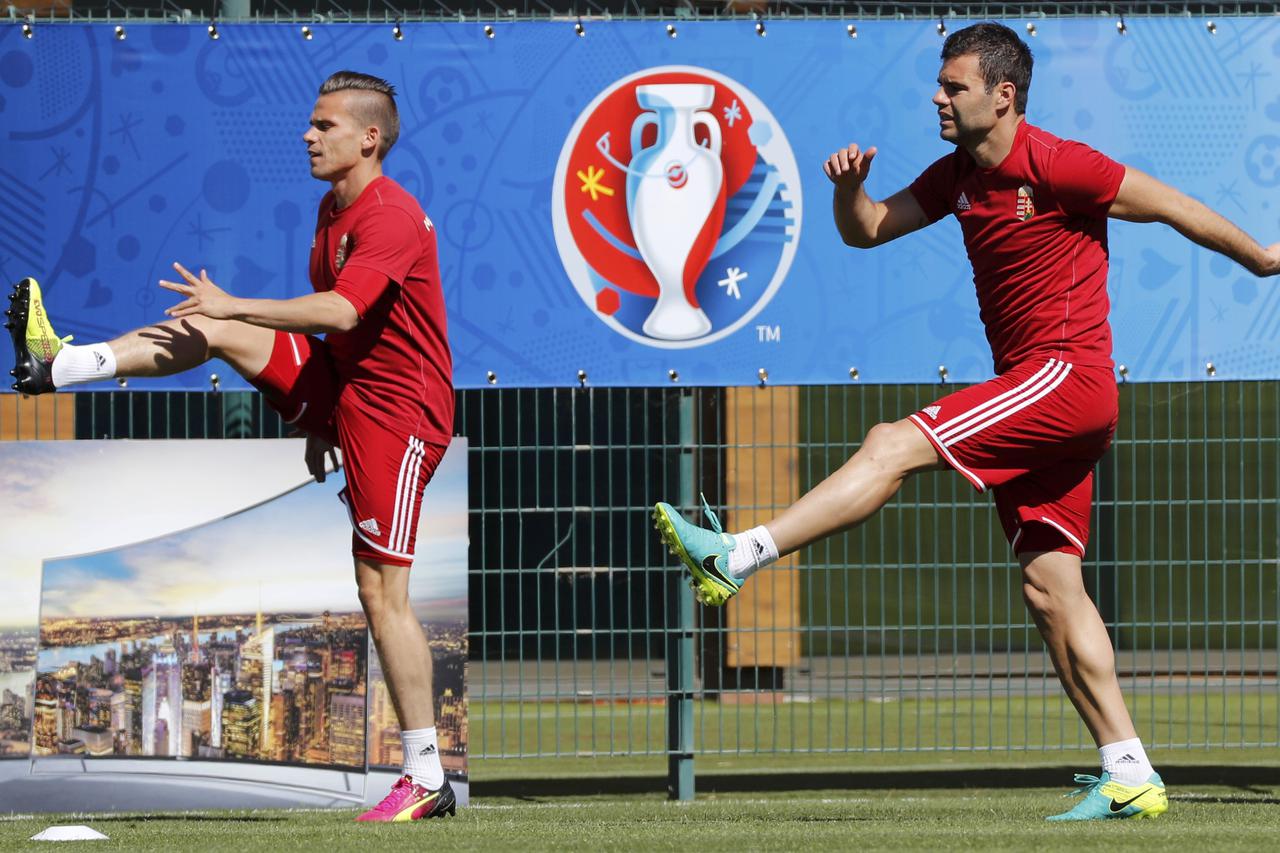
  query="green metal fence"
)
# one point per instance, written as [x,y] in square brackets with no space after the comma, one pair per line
[912,632]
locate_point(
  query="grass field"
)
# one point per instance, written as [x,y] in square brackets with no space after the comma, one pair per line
[1204,818]
[945,724]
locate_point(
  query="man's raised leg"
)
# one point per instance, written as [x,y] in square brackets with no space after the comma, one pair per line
[720,562]
[177,345]
[43,362]
[1078,645]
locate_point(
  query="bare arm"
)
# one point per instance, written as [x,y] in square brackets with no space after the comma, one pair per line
[311,314]
[1142,198]
[862,221]
[314,313]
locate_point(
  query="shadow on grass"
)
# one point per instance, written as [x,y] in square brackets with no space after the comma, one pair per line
[188,818]
[1243,778]
[1228,801]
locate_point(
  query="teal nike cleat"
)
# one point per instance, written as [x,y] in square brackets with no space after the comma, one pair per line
[1105,799]
[705,553]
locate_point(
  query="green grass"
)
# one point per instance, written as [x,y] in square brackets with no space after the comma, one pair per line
[1207,818]
[942,725]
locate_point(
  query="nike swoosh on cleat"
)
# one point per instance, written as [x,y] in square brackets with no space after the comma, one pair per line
[709,566]
[1117,806]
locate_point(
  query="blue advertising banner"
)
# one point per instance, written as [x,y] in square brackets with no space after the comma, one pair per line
[630,203]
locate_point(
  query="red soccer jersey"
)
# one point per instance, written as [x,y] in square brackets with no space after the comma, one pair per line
[379,253]
[1035,228]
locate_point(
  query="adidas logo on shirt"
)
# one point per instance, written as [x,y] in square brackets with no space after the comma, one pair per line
[370,526]
[932,411]
[962,203]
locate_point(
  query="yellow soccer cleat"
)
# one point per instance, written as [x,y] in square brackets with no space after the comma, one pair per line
[1105,799]
[35,343]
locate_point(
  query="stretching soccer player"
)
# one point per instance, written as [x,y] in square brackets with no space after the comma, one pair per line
[1033,209]
[378,386]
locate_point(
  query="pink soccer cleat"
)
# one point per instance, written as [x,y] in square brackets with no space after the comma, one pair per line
[410,801]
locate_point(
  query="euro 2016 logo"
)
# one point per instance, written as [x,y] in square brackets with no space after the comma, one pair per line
[676,206]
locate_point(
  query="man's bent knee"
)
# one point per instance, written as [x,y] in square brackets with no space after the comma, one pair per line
[1052,583]
[245,347]
[900,447]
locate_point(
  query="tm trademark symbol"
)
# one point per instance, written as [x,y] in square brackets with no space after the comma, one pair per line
[769,334]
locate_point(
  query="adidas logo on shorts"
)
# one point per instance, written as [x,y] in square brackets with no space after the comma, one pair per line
[370,526]
[932,411]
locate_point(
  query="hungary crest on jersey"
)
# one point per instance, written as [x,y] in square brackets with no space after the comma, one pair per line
[1026,206]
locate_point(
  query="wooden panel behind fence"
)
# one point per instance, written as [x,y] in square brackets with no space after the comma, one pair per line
[762,434]
[49,416]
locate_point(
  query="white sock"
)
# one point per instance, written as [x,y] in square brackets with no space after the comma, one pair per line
[90,363]
[754,551]
[1126,761]
[422,757]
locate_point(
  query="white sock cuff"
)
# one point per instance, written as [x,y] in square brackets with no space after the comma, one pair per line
[414,734]
[1120,745]
[762,535]
[1126,761]
[76,364]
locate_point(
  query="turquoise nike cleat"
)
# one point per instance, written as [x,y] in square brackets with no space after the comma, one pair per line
[1104,799]
[705,553]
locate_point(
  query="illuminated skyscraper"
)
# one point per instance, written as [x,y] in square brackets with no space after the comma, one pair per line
[346,730]
[219,687]
[120,714]
[133,694]
[149,704]
[98,713]
[46,724]
[169,693]
[256,658]
[241,724]
[195,638]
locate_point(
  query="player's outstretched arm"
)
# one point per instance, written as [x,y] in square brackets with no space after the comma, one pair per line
[1142,198]
[862,221]
[312,314]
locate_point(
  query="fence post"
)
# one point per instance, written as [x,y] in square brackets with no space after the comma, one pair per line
[679,646]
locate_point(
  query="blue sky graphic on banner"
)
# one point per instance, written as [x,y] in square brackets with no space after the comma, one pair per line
[627,203]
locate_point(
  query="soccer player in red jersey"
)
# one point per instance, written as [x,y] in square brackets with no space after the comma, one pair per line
[378,386]
[1033,209]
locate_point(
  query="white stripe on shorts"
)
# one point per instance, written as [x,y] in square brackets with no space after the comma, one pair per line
[955,463]
[1010,402]
[405,485]
[408,521]
[1064,531]
[404,465]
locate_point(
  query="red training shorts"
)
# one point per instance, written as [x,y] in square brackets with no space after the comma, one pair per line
[1033,435]
[386,468]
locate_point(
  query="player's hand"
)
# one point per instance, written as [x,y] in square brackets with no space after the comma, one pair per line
[317,449]
[203,296]
[848,167]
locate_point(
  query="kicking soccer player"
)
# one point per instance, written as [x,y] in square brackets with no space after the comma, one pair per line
[378,386]
[1033,209]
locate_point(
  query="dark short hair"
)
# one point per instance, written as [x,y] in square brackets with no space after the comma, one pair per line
[379,111]
[1001,56]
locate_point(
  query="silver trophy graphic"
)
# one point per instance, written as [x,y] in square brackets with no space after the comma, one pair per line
[673,187]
